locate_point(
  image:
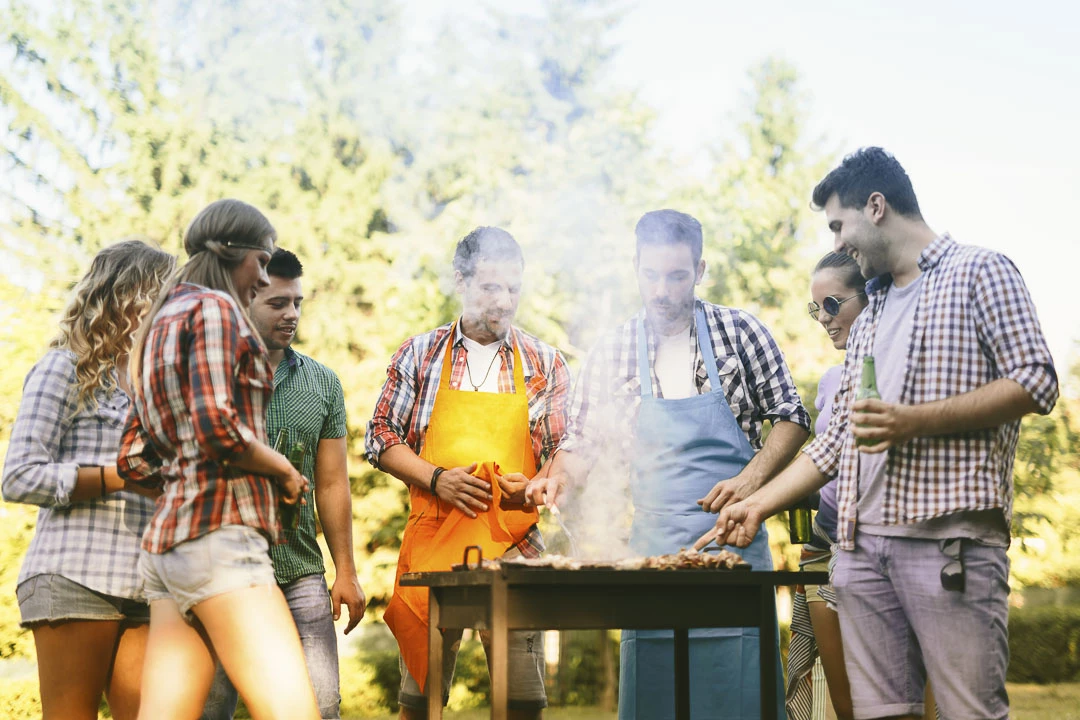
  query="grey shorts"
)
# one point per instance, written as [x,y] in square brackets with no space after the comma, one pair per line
[54,598]
[525,671]
[233,557]
[900,626]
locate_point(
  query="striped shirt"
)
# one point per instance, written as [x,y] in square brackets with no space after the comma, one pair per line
[205,385]
[309,404]
[92,542]
[403,410]
[974,323]
[756,381]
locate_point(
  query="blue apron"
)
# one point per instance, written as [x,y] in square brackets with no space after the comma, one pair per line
[684,447]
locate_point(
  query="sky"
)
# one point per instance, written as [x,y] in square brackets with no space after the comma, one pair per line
[980,101]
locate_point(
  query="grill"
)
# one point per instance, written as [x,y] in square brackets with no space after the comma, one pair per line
[513,597]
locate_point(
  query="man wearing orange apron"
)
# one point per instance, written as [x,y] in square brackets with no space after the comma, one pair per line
[466,416]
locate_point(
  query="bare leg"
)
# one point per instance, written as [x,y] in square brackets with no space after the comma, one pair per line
[831,650]
[256,639]
[929,706]
[73,665]
[125,675]
[178,668]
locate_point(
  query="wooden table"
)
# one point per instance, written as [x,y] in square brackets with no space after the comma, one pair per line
[540,598]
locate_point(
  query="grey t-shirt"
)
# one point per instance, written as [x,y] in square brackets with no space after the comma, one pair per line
[891,343]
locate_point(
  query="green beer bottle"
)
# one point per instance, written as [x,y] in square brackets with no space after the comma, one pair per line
[867,389]
[799,522]
[290,514]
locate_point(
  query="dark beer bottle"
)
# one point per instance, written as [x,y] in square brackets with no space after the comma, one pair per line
[290,514]
[867,389]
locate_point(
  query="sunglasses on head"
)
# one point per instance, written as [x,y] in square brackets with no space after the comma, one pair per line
[952,575]
[830,305]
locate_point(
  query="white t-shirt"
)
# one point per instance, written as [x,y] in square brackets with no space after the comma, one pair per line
[485,364]
[674,365]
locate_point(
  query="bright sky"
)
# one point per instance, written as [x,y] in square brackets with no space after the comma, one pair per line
[980,101]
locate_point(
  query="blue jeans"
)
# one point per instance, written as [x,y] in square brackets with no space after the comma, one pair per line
[309,602]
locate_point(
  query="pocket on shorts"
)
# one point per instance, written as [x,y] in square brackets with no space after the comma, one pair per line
[187,567]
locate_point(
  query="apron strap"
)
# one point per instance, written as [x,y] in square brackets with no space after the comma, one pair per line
[644,369]
[704,345]
[707,353]
[448,362]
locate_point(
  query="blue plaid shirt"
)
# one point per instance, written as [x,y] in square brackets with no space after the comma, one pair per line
[93,542]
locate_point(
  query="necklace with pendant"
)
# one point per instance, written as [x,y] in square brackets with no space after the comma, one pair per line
[476,386]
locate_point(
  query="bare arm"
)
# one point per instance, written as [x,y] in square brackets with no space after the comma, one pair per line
[889,424]
[333,500]
[457,486]
[740,522]
[260,458]
[780,447]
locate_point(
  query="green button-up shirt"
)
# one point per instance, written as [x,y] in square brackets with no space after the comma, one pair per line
[308,401]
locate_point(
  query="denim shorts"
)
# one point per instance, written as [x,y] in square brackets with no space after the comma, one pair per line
[233,557]
[54,598]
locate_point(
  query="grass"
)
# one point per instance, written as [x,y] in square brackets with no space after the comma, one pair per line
[1029,702]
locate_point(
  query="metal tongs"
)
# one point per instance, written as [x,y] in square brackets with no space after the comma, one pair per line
[557,514]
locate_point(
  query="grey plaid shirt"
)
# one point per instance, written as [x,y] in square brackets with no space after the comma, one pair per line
[975,323]
[94,542]
[756,380]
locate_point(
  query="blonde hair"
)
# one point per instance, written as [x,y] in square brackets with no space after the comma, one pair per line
[218,239]
[105,309]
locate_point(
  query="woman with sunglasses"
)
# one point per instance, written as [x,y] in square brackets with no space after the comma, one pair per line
[201,381]
[837,289]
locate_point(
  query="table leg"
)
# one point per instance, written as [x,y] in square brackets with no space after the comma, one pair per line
[435,658]
[682,674]
[499,651]
[767,653]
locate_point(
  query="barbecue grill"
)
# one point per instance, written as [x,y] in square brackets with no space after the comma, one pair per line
[528,597]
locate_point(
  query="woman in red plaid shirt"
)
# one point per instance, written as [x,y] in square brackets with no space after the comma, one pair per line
[201,381]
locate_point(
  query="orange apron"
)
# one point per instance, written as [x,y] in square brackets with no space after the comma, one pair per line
[492,430]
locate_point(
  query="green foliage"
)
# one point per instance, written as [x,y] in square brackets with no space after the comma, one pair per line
[1044,645]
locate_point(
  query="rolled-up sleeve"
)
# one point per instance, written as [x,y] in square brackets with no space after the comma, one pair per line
[774,393]
[137,460]
[395,406]
[214,348]
[31,472]
[1009,330]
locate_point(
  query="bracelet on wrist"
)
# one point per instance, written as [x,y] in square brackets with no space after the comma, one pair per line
[101,474]
[435,480]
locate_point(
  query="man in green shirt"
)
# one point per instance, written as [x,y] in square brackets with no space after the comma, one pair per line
[309,406]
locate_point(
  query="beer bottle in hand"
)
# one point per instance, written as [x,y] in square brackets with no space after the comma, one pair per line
[290,514]
[799,522]
[867,389]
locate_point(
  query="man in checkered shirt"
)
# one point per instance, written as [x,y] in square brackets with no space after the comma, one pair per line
[925,505]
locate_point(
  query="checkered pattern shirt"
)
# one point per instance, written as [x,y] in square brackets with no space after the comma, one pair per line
[92,542]
[756,381]
[202,398]
[309,403]
[974,323]
[403,410]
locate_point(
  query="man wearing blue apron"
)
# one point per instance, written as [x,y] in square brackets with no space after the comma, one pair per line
[694,382]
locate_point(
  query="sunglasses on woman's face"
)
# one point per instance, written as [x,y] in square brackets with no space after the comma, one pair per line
[830,305]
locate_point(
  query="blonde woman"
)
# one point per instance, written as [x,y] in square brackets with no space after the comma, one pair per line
[201,383]
[78,589]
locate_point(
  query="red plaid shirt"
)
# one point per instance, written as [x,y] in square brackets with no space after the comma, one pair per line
[202,398]
[403,410]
